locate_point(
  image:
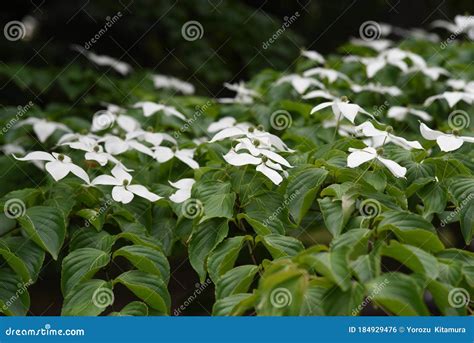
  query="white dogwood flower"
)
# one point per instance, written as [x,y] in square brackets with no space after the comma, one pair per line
[103,60]
[299,83]
[446,141]
[43,128]
[319,94]
[103,120]
[94,151]
[170,82]
[368,129]
[399,113]
[377,44]
[163,154]
[358,157]
[377,88]
[123,190]
[149,108]
[452,98]
[243,95]
[223,123]
[115,145]
[313,56]
[330,74]
[57,165]
[432,72]
[461,24]
[461,85]
[183,192]
[268,162]
[342,107]
[250,132]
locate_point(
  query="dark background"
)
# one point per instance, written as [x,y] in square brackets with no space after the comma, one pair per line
[149,32]
[148,35]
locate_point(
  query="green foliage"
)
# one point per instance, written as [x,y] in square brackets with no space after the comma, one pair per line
[327,240]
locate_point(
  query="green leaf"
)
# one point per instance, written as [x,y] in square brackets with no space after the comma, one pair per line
[237,280]
[93,217]
[217,199]
[398,293]
[14,298]
[89,298]
[204,238]
[267,213]
[135,308]
[81,265]
[302,190]
[281,290]
[344,303]
[23,256]
[434,198]
[336,213]
[414,258]
[234,305]
[281,246]
[366,267]
[333,265]
[146,259]
[441,295]
[148,287]
[90,238]
[313,300]
[46,227]
[356,240]
[412,229]
[224,256]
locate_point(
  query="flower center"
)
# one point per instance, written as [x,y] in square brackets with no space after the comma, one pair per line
[344,98]
[389,129]
[256,142]
[260,127]
[149,129]
[379,151]
[250,129]
[125,182]
[96,148]
[455,132]
[264,159]
[61,157]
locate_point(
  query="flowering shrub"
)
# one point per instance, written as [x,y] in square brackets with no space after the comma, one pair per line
[344,185]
